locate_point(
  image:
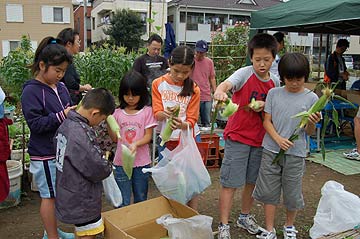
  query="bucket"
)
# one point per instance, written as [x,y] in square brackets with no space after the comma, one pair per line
[15,171]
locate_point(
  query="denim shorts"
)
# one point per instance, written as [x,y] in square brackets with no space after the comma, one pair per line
[240,165]
[285,176]
[138,184]
[44,173]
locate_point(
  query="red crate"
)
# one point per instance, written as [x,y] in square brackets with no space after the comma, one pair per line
[213,151]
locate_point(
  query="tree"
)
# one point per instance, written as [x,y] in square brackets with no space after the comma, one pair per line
[126,29]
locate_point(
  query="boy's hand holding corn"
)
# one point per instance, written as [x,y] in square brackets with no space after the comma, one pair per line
[314,118]
[284,143]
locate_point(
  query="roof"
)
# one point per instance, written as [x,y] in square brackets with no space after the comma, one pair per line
[325,16]
[251,5]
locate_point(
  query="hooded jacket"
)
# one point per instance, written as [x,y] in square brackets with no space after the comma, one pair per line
[43,110]
[80,170]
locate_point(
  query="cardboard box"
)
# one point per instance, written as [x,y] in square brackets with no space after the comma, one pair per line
[342,93]
[310,85]
[138,221]
[353,96]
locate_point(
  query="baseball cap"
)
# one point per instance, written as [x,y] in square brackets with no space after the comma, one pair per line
[201,46]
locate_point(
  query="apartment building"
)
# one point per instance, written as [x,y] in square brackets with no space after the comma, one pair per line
[103,9]
[36,19]
[197,19]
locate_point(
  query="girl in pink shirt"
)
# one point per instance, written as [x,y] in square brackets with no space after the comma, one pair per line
[136,121]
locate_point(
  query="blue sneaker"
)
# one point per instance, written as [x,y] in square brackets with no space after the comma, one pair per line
[62,235]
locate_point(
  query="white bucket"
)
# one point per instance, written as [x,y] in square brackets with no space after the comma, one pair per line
[15,171]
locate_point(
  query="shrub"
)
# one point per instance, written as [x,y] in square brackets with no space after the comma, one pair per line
[104,66]
[228,50]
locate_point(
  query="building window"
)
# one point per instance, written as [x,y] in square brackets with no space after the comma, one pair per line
[58,14]
[143,16]
[302,34]
[14,45]
[237,19]
[216,21]
[93,23]
[14,13]
[192,21]
[88,23]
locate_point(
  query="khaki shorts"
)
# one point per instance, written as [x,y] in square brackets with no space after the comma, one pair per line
[285,176]
[240,165]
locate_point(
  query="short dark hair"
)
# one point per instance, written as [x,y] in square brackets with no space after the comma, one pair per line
[343,43]
[262,40]
[135,83]
[67,35]
[100,99]
[51,53]
[155,37]
[279,36]
[294,65]
[184,55]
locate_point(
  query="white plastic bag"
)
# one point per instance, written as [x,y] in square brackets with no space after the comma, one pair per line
[198,226]
[181,174]
[112,191]
[338,210]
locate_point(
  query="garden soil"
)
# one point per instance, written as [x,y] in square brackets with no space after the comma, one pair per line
[23,221]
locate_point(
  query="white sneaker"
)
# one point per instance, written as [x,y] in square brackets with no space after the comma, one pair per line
[289,232]
[224,231]
[267,235]
[353,154]
[248,223]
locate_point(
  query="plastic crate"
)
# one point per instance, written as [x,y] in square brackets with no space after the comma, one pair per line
[202,146]
[213,152]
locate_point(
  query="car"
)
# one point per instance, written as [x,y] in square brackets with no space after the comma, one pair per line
[349,62]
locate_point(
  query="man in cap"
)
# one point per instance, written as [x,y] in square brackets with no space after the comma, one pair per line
[204,76]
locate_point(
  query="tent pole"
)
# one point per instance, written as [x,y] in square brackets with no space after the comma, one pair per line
[320,49]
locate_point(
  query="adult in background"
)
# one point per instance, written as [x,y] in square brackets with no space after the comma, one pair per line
[204,76]
[335,67]
[70,39]
[279,36]
[151,65]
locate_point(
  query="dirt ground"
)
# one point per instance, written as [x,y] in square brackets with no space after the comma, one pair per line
[23,221]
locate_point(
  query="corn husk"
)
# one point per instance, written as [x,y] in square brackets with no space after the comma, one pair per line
[166,133]
[254,104]
[128,159]
[114,126]
[230,108]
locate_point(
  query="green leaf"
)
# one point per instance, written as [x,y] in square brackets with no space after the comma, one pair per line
[345,100]
[335,119]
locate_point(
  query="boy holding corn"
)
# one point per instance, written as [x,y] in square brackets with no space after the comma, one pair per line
[81,166]
[281,104]
[244,132]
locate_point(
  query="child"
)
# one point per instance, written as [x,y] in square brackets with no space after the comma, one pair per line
[81,166]
[176,88]
[136,122]
[45,105]
[281,104]
[244,132]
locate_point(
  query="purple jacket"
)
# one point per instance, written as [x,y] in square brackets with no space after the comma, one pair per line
[81,168]
[43,110]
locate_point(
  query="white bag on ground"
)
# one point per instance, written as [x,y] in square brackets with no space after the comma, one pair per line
[338,210]
[112,191]
[198,226]
[181,174]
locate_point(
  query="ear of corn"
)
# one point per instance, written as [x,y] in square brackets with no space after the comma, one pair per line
[254,104]
[113,125]
[128,159]
[166,133]
[230,108]
[79,104]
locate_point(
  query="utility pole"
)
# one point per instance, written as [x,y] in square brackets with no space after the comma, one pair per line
[85,24]
[150,10]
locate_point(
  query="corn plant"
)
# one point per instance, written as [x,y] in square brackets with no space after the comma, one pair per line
[14,69]
[318,106]
[104,66]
